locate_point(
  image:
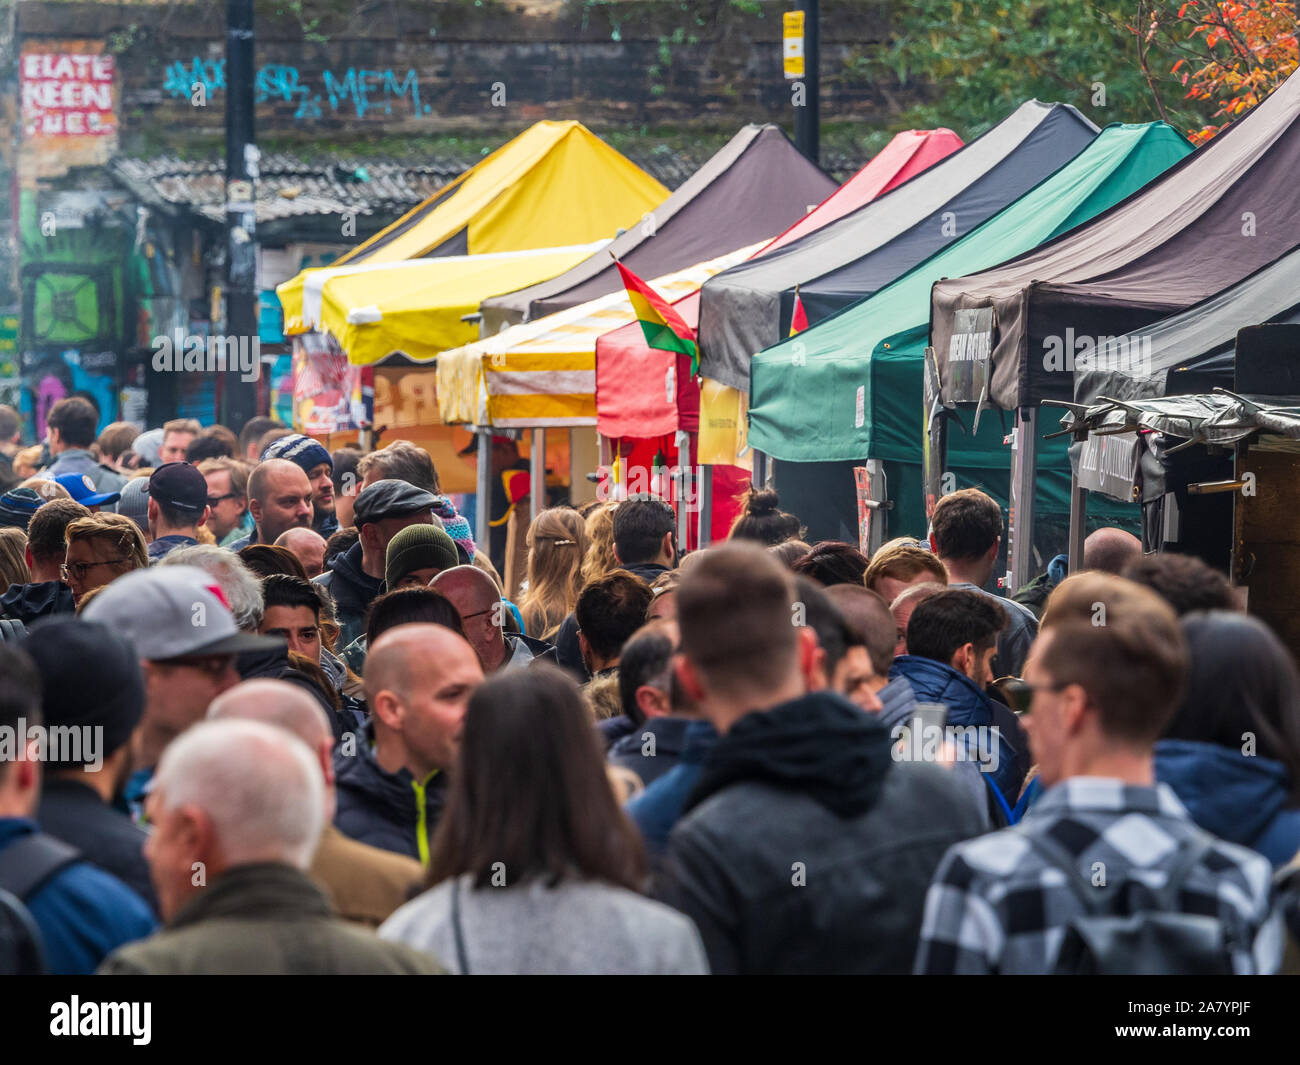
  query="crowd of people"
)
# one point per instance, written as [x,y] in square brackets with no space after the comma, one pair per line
[266,708]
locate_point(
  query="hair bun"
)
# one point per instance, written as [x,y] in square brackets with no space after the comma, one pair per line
[762,501]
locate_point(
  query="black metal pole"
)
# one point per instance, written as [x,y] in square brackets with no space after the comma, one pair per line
[240,395]
[807,118]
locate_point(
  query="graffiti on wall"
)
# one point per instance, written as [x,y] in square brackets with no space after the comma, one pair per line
[67,94]
[355,92]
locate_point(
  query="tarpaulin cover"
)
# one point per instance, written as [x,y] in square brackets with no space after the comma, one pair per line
[555,184]
[749,307]
[754,186]
[1218,417]
[619,396]
[1149,362]
[416,307]
[807,391]
[1225,211]
[543,373]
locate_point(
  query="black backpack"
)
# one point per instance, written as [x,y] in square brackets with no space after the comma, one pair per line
[1161,941]
[25,867]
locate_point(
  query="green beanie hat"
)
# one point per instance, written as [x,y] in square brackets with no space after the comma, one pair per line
[418,547]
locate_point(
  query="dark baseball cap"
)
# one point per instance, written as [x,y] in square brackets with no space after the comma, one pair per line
[390,498]
[179,485]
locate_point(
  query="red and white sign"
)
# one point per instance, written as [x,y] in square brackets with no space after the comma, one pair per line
[67,94]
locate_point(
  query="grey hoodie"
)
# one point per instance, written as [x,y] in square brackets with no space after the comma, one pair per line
[530,929]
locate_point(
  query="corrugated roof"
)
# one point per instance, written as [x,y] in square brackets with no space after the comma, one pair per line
[288,186]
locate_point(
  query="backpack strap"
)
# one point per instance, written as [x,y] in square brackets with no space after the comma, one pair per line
[1068,864]
[26,865]
[28,952]
[11,629]
[461,959]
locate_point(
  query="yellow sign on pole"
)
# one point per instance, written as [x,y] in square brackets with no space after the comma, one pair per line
[792,44]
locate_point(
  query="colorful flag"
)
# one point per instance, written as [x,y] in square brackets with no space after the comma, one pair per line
[663,327]
[799,319]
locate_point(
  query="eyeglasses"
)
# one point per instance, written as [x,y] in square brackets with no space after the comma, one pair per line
[214,501]
[80,569]
[1019,694]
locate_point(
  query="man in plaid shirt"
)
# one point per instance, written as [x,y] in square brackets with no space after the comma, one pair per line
[1106,676]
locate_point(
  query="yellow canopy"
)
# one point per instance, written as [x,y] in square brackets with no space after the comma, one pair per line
[543,373]
[416,307]
[556,183]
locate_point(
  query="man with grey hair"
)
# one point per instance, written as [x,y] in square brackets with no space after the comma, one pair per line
[238,809]
[240,586]
[365,883]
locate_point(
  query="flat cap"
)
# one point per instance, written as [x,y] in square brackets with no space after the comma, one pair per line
[390,498]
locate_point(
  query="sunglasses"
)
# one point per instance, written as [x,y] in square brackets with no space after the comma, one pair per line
[1019,694]
[214,501]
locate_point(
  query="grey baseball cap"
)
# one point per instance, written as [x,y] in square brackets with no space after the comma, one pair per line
[390,498]
[173,612]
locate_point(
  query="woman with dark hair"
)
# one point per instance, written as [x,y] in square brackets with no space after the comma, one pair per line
[764,521]
[266,559]
[831,562]
[1232,751]
[534,867]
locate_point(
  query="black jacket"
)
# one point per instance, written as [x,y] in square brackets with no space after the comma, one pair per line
[74,812]
[353,590]
[653,749]
[805,848]
[392,811]
[568,655]
[31,602]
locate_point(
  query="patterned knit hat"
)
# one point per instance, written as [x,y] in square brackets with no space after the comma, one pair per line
[457,527]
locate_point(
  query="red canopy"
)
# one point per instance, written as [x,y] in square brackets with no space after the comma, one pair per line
[630,399]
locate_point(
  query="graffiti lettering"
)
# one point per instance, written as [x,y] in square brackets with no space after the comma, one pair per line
[356,92]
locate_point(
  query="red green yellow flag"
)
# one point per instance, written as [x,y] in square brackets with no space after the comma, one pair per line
[662,326]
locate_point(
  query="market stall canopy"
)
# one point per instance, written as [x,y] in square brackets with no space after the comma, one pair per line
[1163,358]
[1220,215]
[417,308]
[555,184]
[754,186]
[865,364]
[749,307]
[627,407]
[543,373]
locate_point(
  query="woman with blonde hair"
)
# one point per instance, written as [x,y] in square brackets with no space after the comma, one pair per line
[13,559]
[599,558]
[557,545]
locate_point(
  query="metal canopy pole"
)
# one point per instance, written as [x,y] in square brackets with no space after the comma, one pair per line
[1020,526]
[705,504]
[759,475]
[1078,522]
[483,504]
[537,471]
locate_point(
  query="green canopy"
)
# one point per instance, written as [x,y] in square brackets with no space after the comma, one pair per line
[850,388]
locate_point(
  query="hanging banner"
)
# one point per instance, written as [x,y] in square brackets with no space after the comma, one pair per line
[862,481]
[1108,463]
[969,350]
[329,393]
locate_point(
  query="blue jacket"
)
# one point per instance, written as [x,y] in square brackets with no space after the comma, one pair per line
[968,706]
[84,914]
[1237,798]
[660,806]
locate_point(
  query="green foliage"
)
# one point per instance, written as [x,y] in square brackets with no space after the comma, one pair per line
[976,60]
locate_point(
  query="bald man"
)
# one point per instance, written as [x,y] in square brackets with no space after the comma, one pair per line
[1110,550]
[391,780]
[484,614]
[365,883]
[308,546]
[279,498]
[1107,549]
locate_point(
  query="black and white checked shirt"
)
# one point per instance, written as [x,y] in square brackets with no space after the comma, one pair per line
[998,905]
